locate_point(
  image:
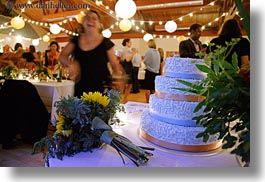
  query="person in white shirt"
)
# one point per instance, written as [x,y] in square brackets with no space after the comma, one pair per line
[136,61]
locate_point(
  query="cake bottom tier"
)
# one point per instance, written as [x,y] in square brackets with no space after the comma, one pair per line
[175,137]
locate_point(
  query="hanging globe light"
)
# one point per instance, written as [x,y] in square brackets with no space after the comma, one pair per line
[125,25]
[55,29]
[171,26]
[106,33]
[17,22]
[35,42]
[125,8]
[147,37]
[79,17]
[46,38]
[181,38]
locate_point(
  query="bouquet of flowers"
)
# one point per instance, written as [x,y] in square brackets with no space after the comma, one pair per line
[11,71]
[84,123]
[42,72]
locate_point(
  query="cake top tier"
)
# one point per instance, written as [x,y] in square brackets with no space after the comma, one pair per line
[184,68]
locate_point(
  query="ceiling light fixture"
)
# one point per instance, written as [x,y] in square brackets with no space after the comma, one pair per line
[147,37]
[125,25]
[106,33]
[55,29]
[17,22]
[125,8]
[46,38]
[170,26]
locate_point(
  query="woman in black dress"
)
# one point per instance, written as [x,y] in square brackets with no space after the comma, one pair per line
[90,53]
[231,29]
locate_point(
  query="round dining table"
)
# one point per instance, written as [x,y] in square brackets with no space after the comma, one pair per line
[51,91]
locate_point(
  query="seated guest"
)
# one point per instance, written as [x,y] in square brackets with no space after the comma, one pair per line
[11,57]
[17,46]
[6,49]
[4,61]
[51,60]
[32,50]
[28,62]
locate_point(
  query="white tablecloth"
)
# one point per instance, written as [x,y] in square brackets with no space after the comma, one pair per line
[51,91]
[108,157]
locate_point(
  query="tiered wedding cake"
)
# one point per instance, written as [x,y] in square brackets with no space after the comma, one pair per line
[168,121]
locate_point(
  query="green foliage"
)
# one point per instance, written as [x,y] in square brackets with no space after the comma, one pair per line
[75,115]
[42,72]
[227,101]
[10,72]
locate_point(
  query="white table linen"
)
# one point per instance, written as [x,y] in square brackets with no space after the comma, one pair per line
[106,156]
[51,91]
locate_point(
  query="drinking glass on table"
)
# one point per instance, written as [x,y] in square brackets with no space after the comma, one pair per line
[55,74]
[66,72]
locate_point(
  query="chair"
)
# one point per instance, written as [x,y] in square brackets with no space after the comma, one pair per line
[22,112]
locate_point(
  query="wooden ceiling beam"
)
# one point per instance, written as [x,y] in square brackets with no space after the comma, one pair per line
[60,16]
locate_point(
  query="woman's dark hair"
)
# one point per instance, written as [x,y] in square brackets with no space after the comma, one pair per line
[204,46]
[28,56]
[55,43]
[32,48]
[125,41]
[18,45]
[231,29]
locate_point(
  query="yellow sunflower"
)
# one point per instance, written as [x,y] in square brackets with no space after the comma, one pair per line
[60,123]
[42,76]
[96,97]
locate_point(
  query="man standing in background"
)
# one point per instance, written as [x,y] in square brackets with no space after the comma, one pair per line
[188,48]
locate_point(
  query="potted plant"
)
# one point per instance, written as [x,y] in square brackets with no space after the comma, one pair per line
[227,101]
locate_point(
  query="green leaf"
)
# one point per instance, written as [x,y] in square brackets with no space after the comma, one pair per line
[235,61]
[227,65]
[198,107]
[204,68]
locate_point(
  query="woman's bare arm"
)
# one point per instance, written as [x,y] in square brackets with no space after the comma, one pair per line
[65,53]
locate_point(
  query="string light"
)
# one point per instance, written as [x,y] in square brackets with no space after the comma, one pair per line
[134,22]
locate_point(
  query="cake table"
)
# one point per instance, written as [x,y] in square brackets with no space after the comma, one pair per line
[106,156]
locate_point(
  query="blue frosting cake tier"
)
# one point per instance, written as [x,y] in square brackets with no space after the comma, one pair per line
[167,84]
[184,68]
[175,134]
[169,120]
[172,111]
